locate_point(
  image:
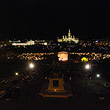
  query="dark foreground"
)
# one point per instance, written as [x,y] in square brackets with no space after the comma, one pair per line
[84,97]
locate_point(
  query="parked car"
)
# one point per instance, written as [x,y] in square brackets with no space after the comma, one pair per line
[100,96]
[107,85]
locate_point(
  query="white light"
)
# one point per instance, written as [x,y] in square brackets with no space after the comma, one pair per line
[96,41]
[87,66]
[55,90]
[31,65]
[16,73]
[45,43]
[98,75]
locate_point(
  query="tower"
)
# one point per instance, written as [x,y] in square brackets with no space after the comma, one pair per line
[63,37]
[68,38]
[69,34]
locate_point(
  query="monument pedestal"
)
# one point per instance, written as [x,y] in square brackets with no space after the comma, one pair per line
[56,88]
[55,84]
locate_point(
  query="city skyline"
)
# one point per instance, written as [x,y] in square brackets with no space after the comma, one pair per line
[37,36]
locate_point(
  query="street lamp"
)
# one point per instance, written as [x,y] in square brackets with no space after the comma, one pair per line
[31,65]
[87,66]
[16,74]
[98,75]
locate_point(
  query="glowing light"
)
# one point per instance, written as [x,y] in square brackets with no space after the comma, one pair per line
[45,43]
[63,56]
[87,66]
[98,75]
[31,65]
[16,73]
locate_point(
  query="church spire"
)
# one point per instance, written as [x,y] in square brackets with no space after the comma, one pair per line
[69,31]
[69,34]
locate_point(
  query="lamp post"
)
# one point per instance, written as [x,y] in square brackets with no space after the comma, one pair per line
[16,73]
[31,67]
[98,75]
[98,79]
[87,66]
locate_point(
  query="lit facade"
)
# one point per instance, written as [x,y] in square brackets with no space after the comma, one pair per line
[68,38]
[24,44]
[62,56]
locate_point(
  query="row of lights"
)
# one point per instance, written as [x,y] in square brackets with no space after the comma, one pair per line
[31,66]
[88,67]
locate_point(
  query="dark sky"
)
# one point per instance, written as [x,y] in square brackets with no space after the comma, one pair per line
[48,19]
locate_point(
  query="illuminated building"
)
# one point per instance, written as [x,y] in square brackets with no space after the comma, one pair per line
[103,42]
[63,56]
[23,44]
[69,38]
[41,42]
[17,41]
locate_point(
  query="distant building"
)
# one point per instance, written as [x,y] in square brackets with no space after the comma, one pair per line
[4,43]
[104,42]
[63,56]
[69,38]
[18,43]
[41,42]
[30,42]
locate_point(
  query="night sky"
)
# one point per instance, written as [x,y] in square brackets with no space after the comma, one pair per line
[46,19]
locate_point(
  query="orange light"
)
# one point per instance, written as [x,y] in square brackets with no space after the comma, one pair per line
[63,56]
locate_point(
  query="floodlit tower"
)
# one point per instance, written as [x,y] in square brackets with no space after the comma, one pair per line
[69,34]
[63,37]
